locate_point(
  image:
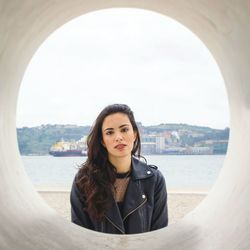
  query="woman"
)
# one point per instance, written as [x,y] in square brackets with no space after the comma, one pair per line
[113,191]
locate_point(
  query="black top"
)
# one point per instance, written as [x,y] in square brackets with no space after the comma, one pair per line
[122,176]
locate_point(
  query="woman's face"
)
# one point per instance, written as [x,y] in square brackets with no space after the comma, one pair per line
[118,135]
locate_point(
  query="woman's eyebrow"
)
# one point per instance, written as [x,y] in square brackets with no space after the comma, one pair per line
[108,129]
[123,125]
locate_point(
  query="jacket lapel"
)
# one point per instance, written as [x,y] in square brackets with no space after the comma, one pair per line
[135,196]
[114,217]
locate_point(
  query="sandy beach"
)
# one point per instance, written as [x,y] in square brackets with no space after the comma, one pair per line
[180,202]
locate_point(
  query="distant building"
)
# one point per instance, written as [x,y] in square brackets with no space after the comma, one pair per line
[168,137]
[148,148]
[160,144]
[196,134]
[175,151]
[220,147]
[148,138]
[200,150]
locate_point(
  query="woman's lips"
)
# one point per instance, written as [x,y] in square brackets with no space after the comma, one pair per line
[120,146]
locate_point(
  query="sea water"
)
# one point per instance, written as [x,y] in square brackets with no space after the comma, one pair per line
[180,171]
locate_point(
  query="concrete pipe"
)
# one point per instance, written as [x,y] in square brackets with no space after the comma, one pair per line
[221,221]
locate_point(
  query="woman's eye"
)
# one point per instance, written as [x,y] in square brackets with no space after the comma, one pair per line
[125,129]
[109,132]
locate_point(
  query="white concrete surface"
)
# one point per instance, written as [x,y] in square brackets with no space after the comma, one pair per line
[222,221]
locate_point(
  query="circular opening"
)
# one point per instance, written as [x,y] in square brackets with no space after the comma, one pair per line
[148,61]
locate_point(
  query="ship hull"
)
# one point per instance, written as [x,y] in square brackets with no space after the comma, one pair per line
[68,153]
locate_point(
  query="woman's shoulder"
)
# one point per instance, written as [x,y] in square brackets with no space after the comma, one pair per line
[152,168]
[159,178]
[156,172]
[145,170]
[76,179]
[152,174]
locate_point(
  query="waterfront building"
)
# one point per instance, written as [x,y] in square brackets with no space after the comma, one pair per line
[148,148]
[200,150]
[220,146]
[160,144]
[148,138]
[175,151]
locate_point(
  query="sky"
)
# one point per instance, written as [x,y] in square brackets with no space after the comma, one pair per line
[142,58]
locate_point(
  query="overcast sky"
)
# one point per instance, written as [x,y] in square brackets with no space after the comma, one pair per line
[141,58]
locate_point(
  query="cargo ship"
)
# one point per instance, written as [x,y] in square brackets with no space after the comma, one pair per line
[65,148]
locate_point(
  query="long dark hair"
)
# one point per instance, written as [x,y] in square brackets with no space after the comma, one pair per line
[96,177]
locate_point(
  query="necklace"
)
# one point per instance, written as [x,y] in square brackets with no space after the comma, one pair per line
[123,175]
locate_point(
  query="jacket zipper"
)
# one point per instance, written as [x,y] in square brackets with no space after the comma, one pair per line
[135,209]
[115,225]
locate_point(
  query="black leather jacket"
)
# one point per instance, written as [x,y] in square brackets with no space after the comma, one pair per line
[144,209]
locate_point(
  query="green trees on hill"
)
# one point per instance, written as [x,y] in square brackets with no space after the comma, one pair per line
[38,140]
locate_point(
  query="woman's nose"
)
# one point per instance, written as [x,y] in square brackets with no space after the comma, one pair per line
[118,137]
